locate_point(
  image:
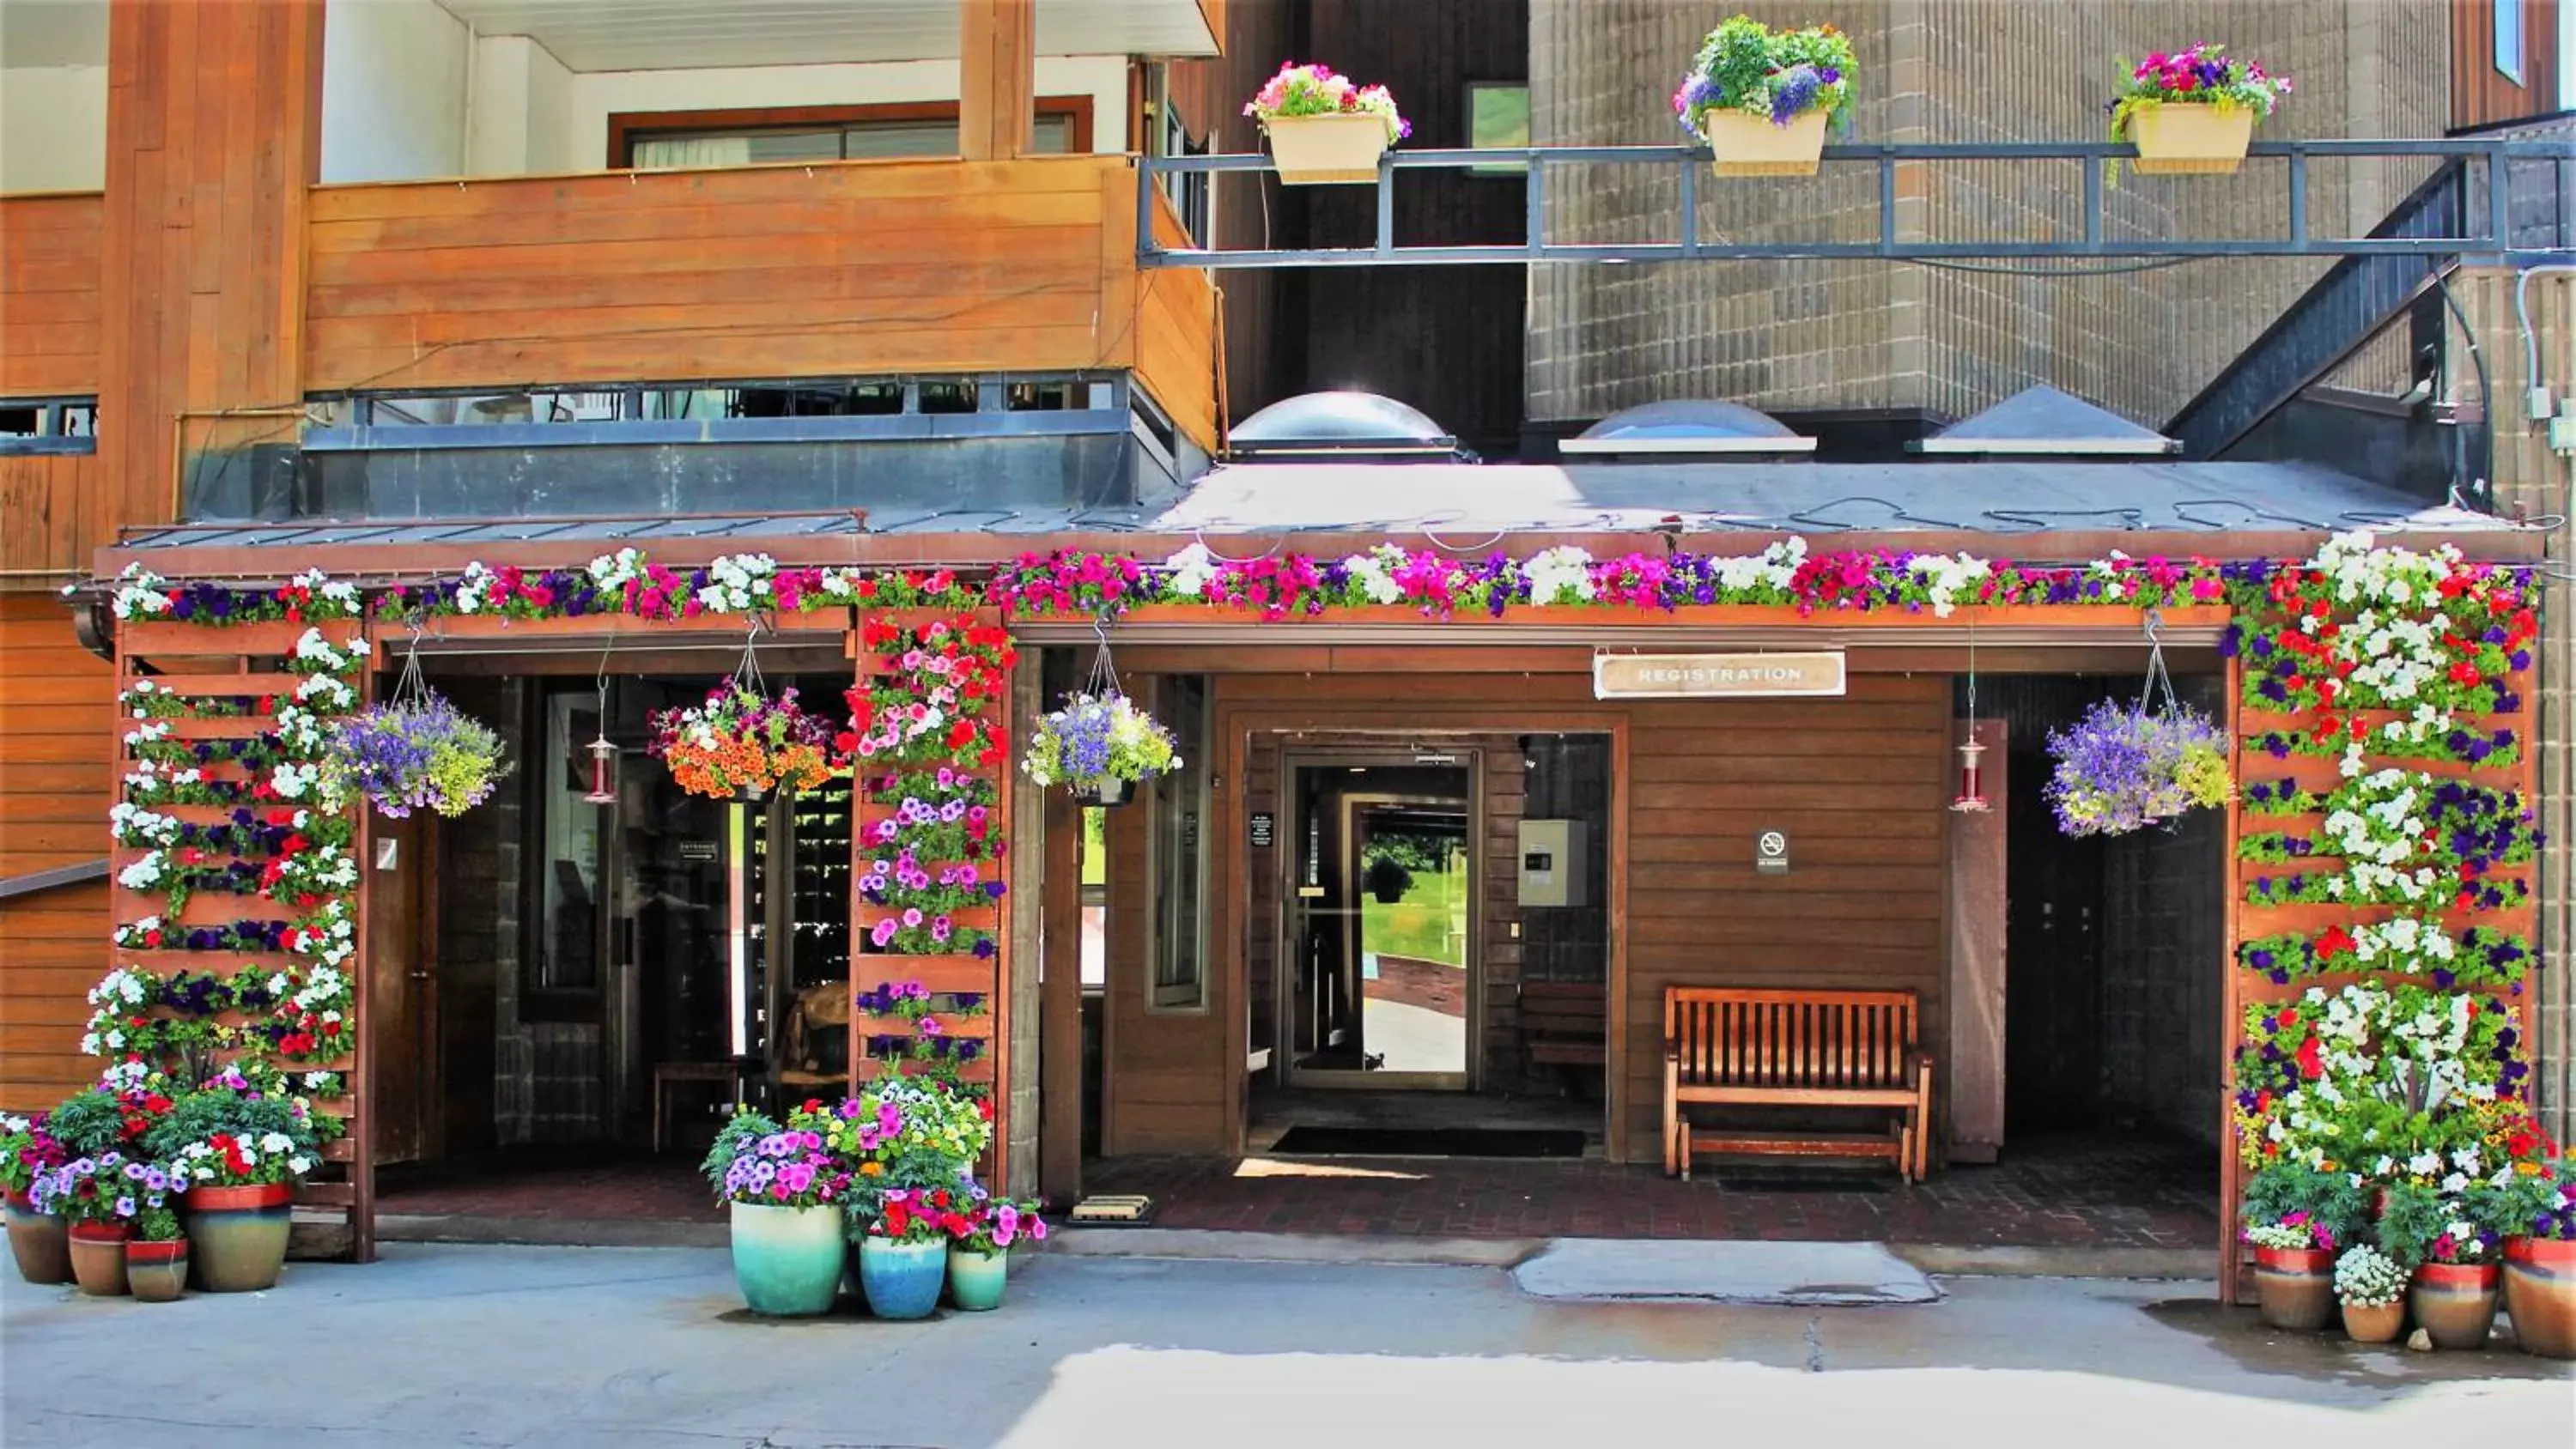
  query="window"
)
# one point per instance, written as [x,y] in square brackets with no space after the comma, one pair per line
[1179,846]
[1498,118]
[567,954]
[1189,192]
[656,140]
[2508,38]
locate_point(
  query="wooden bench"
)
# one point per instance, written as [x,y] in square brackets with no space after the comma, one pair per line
[1565,1024]
[1774,1048]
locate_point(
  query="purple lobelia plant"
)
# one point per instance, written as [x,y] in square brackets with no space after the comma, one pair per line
[414,751]
[1099,744]
[2122,767]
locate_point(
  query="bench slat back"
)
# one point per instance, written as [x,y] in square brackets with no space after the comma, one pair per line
[1729,1037]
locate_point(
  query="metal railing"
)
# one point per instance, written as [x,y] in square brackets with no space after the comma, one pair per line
[2488,234]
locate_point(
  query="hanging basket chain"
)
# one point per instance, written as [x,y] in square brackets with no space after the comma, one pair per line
[746,675]
[1103,681]
[411,688]
[2159,680]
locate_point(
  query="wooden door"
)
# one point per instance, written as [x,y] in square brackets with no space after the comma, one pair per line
[402,987]
[2052,964]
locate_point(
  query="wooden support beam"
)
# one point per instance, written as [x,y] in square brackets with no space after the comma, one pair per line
[1060,1004]
[997,79]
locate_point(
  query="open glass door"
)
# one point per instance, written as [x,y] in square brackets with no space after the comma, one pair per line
[1379,930]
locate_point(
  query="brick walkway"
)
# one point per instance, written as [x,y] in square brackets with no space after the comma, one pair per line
[639,1190]
[2119,1193]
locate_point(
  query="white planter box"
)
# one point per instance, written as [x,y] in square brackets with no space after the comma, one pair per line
[1326,150]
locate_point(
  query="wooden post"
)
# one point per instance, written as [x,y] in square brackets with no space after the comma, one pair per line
[997,79]
[1060,1003]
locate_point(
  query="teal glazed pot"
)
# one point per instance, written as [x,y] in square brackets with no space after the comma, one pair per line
[40,1243]
[787,1260]
[902,1280]
[975,1280]
[237,1235]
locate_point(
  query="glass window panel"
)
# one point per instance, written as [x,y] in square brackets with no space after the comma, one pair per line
[886,140]
[568,875]
[2508,38]
[1498,115]
[1179,805]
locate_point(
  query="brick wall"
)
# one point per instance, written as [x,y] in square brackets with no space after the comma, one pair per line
[1864,334]
[2163,973]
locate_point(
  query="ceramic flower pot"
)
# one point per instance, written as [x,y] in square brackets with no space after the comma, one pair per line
[1749,145]
[98,1258]
[787,1260]
[2540,1293]
[902,1280]
[2454,1303]
[39,1242]
[2185,138]
[1326,150]
[2295,1287]
[2374,1323]
[975,1280]
[239,1235]
[157,1271]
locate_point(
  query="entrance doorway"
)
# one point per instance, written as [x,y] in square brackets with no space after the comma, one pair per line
[1381,930]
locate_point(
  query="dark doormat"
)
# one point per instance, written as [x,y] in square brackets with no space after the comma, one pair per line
[1312,1141]
[1755,1179]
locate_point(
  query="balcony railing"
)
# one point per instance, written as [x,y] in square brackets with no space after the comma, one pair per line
[884,268]
[2081,167]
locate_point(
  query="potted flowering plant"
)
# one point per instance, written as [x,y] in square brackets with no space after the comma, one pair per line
[1100,745]
[1762,98]
[2538,1201]
[915,1140]
[903,1248]
[2372,1289]
[785,1188]
[2452,1250]
[2193,111]
[1323,126]
[238,1153]
[93,1196]
[411,752]
[2123,767]
[2295,1218]
[742,742]
[37,1240]
[979,1250]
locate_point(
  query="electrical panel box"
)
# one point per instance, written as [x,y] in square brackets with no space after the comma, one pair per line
[1552,863]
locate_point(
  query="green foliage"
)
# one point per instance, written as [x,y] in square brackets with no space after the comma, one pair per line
[87,1123]
[246,1117]
[2329,1199]
[157,1224]
[746,1127]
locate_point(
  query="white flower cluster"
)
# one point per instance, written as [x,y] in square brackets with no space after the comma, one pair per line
[327,692]
[2363,573]
[314,649]
[1374,572]
[1187,573]
[323,586]
[840,585]
[1771,569]
[332,936]
[148,733]
[612,572]
[1953,579]
[331,867]
[297,782]
[140,593]
[131,933]
[2421,944]
[738,583]
[301,732]
[1561,575]
[132,824]
[152,774]
[113,1000]
[132,697]
[146,872]
[474,590]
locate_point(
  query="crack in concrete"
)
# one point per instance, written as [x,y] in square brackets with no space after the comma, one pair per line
[1815,1347]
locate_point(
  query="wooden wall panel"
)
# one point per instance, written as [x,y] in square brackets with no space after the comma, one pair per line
[2482,95]
[48,530]
[1175,346]
[57,727]
[49,294]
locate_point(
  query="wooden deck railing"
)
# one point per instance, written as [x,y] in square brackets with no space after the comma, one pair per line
[865,267]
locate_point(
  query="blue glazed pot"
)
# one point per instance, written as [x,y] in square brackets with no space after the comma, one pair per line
[902,1280]
[975,1280]
[787,1260]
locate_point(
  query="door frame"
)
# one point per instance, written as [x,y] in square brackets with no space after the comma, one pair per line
[1283,1066]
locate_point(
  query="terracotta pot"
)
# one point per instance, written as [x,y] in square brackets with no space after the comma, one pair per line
[2295,1287]
[2188,138]
[2380,1323]
[2540,1293]
[1325,150]
[157,1271]
[98,1258]
[1749,145]
[239,1235]
[39,1243]
[2454,1303]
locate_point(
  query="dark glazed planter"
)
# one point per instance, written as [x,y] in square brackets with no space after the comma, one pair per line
[2295,1287]
[158,1272]
[239,1235]
[2540,1293]
[98,1258]
[2454,1303]
[39,1242]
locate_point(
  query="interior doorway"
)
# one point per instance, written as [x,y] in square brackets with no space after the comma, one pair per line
[1380,928]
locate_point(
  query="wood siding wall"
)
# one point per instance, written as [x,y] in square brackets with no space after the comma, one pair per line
[1857,782]
[2482,95]
[48,527]
[784,271]
[57,728]
[49,272]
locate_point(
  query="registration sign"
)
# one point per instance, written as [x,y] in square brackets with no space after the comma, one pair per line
[1717,676]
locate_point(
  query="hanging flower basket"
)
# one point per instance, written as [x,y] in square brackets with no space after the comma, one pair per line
[1323,128]
[1099,745]
[416,750]
[2193,112]
[743,743]
[2124,767]
[1762,98]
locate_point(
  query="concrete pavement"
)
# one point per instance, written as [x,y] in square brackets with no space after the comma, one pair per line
[491,1346]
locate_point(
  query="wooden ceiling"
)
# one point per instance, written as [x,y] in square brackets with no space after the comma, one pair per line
[610,35]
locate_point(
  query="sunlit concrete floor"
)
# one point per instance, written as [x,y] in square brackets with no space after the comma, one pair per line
[575,1346]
